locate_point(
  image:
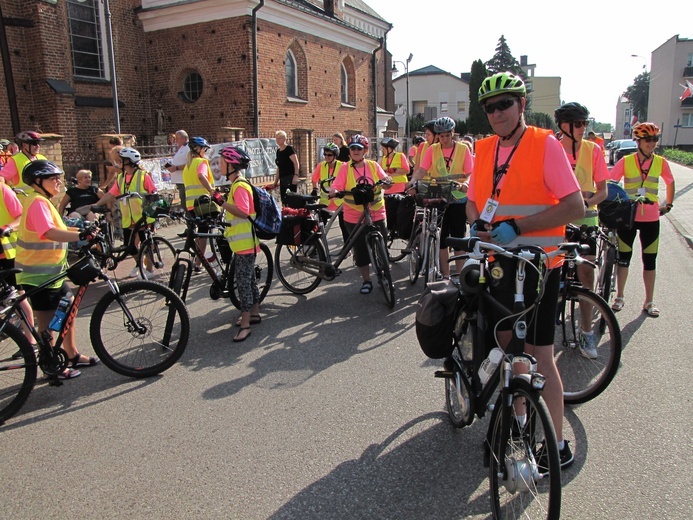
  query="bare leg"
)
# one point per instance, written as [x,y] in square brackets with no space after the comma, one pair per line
[553,390]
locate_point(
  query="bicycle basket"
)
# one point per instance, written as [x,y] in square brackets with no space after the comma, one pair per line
[617,214]
[363,194]
[205,207]
[157,208]
[433,190]
[295,230]
[84,271]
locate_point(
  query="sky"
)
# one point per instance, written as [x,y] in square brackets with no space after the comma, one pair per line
[588,44]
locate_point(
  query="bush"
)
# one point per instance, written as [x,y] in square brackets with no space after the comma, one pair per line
[678,156]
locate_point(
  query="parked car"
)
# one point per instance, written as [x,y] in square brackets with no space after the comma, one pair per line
[620,148]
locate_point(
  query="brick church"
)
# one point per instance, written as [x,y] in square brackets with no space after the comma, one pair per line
[200,65]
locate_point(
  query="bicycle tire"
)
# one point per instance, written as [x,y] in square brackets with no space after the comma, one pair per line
[459,399]
[17,376]
[583,378]
[264,271]
[380,262]
[178,278]
[161,254]
[430,260]
[415,257]
[293,278]
[396,247]
[140,354]
[606,274]
[517,490]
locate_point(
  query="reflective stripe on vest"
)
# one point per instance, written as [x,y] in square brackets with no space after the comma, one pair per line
[240,232]
[8,244]
[378,199]
[131,207]
[193,186]
[40,259]
[523,191]
[633,180]
[325,174]
[399,161]
[456,173]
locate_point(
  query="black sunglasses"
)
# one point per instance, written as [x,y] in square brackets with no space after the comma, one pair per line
[328,154]
[651,138]
[580,124]
[503,104]
[359,148]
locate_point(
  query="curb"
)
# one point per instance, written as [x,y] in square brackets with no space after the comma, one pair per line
[681,230]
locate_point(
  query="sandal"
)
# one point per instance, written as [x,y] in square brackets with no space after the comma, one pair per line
[367,287]
[69,373]
[90,362]
[254,320]
[651,309]
[238,338]
[618,304]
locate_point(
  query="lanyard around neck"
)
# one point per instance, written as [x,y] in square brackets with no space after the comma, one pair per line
[500,171]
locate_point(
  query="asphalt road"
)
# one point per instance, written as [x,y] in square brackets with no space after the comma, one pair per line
[330,411]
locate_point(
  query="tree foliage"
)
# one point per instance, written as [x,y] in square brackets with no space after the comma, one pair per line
[638,94]
[503,60]
[477,123]
[602,127]
[540,120]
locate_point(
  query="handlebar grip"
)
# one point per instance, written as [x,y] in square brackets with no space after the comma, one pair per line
[462,244]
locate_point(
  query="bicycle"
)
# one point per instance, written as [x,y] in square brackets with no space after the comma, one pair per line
[521,450]
[302,261]
[397,245]
[137,329]
[433,197]
[579,308]
[155,254]
[220,265]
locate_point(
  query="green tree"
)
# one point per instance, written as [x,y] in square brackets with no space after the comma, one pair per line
[638,94]
[541,120]
[602,127]
[460,127]
[477,123]
[503,60]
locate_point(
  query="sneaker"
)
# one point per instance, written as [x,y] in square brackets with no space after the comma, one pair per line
[135,272]
[565,456]
[144,276]
[588,345]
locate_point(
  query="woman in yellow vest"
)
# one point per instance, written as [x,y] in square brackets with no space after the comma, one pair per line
[325,170]
[42,254]
[10,217]
[357,171]
[132,179]
[244,243]
[30,144]
[430,138]
[641,173]
[587,161]
[198,181]
[395,164]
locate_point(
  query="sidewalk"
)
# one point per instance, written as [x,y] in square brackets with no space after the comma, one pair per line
[682,213]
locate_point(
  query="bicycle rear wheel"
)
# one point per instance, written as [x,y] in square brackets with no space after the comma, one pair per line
[379,259]
[264,270]
[519,488]
[430,260]
[295,278]
[605,284]
[156,259]
[17,376]
[415,255]
[396,246]
[585,378]
[149,343]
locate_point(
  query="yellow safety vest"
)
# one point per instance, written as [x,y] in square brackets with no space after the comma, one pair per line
[20,161]
[633,180]
[240,233]
[9,244]
[325,174]
[378,199]
[584,173]
[40,259]
[455,172]
[131,207]
[398,161]
[193,187]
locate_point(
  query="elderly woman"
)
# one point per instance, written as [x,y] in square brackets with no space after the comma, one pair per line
[79,199]
[287,166]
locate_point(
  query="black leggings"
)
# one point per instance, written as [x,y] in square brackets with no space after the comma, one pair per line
[649,243]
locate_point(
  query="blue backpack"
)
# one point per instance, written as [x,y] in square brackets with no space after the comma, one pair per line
[268,216]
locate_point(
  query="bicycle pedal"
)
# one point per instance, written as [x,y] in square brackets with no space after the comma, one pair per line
[444,374]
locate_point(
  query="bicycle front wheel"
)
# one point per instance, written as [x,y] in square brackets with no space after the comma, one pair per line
[156,259]
[264,270]
[585,375]
[524,465]
[415,256]
[606,274]
[299,278]
[378,252]
[141,331]
[17,371]
[430,260]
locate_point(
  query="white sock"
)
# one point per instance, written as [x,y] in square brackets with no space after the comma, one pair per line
[521,420]
[561,445]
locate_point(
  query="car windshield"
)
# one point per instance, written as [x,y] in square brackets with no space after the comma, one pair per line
[629,143]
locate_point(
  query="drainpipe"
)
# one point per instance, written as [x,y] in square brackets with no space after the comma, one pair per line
[256,120]
[381,45]
[9,77]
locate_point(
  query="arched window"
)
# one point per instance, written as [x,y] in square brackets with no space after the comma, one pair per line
[291,75]
[345,85]
[348,82]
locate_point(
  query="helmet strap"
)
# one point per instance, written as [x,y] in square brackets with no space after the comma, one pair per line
[646,156]
[39,183]
[511,134]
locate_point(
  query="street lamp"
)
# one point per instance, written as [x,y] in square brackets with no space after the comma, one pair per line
[644,64]
[406,71]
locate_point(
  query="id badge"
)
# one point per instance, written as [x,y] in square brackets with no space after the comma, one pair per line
[489,210]
[641,192]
